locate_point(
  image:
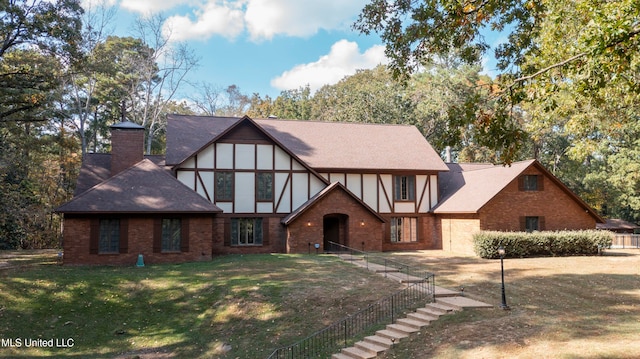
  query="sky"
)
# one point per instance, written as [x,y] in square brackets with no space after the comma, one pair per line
[262,46]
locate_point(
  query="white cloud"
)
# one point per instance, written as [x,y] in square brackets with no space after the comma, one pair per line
[266,18]
[263,19]
[147,7]
[343,60]
[212,19]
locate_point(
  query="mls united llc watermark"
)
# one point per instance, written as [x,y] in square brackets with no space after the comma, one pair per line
[36,343]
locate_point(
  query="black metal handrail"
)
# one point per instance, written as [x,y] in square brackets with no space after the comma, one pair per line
[342,333]
[386,265]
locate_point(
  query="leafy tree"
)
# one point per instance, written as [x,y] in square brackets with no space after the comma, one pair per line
[586,45]
[369,96]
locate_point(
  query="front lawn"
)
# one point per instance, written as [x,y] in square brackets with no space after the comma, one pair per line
[231,307]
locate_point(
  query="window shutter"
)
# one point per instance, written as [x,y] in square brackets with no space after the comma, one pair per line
[157,235]
[94,236]
[523,224]
[541,224]
[265,231]
[227,232]
[521,184]
[124,235]
[184,235]
[540,180]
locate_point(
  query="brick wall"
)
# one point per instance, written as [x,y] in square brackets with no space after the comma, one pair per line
[559,209]
[127,148]
[428,234]
[271,228]
[76,243]
[308,227]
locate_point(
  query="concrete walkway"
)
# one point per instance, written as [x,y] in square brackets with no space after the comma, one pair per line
[447,301]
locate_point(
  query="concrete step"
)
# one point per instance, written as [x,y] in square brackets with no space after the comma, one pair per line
[401,328]
[436,308]
[355,353]
[422,316]
[340,356]
[430,311]
[412,323]
[379,340]
[370,347]
[392,335]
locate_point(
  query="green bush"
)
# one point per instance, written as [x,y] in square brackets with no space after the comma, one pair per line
[523,244]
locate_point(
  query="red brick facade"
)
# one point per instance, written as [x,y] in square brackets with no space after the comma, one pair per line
[559,210]
[129,144]
[140,233]
[358,227]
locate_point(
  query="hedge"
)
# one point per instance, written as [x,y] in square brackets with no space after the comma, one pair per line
[523,244]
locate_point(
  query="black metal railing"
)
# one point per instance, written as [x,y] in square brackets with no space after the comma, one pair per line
[343,333]
[378,262]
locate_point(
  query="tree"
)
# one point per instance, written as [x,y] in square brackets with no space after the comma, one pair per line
[584,45]
[161,76]
[369,96]
[32,35]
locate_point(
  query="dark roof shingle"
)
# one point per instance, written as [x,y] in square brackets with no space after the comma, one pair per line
[142,188]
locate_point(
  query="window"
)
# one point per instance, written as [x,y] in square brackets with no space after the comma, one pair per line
[405,188]
[171,234]
[264,186]
[109,237]
[530,183]
[224,186]
[404,229]
[246,231]
[532,224]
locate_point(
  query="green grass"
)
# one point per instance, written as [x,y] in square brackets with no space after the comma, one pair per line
[251,304]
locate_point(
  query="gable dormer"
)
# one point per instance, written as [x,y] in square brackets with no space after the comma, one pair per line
[244,170]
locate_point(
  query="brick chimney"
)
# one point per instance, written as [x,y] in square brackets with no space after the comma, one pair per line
[127,146]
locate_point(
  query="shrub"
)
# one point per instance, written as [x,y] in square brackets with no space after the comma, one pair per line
[523,244]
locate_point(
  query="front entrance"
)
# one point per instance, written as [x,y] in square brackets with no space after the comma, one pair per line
[335,229]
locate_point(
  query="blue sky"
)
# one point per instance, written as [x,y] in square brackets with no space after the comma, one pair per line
[262,46]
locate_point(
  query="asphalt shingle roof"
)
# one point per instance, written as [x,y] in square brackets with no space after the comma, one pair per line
[142,188]
[321,145]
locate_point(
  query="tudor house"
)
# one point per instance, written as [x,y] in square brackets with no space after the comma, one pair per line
[242,185]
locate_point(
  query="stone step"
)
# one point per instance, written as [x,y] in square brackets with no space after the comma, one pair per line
[413,323]
[422,316]
[379,340]
[370,347]
[391,335]
[401,328]
[340,356]
[442,306]
[355,353]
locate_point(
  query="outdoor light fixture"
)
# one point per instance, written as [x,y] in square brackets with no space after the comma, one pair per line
[501,252]
[309,224]
[362,223]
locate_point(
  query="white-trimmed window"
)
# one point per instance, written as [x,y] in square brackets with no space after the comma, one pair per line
[404,229]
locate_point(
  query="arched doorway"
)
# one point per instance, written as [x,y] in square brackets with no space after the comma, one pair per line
[335,228]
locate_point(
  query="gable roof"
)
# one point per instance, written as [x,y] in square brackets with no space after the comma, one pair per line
[142,188]
[363,146]
[466,188]
[335,186]
[320,145]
